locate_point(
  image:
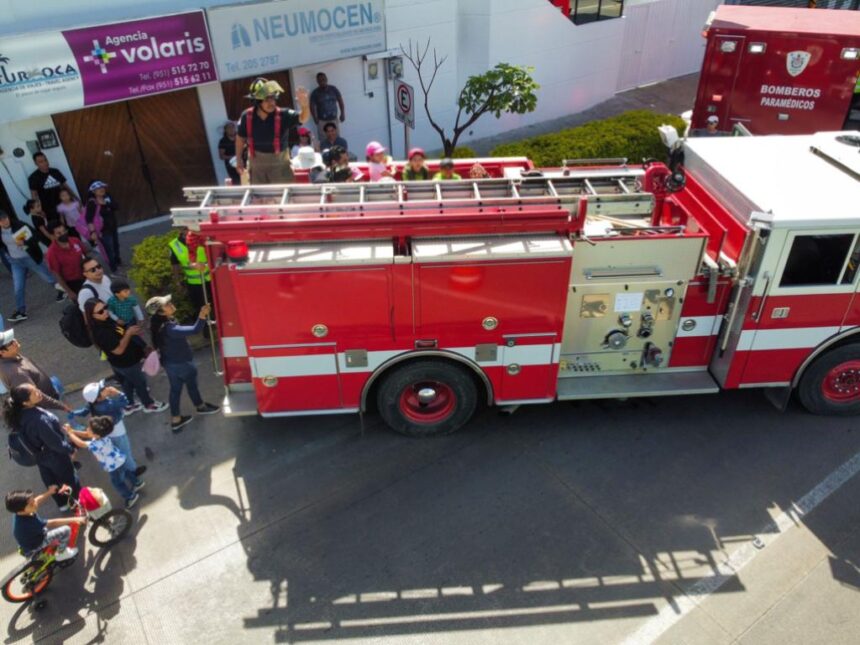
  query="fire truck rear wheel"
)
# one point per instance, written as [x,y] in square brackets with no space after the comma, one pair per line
[427,398]
[831,385]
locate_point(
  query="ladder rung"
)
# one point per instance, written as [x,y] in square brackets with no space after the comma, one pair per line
[285,196]
[589,189]
[623,186]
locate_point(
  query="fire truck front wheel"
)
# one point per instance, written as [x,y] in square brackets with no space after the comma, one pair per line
[831,385]
[427,398]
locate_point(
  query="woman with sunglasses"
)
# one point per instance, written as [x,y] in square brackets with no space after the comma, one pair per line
[123,353]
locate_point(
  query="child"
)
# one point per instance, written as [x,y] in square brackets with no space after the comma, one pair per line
[33,208]
[123,304]
[31,532]
[446,170]
[69,209]
[95,439]
[111,402]
[378,162]
[416,169]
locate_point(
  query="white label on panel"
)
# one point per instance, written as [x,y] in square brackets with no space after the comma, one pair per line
[628,301]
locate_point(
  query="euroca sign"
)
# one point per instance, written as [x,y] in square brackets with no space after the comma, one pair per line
[252,39]
[52,72]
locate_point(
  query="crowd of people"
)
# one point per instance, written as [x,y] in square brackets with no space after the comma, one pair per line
[73,244]
[256,147]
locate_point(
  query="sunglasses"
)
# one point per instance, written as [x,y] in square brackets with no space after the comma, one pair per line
[93,268]
[99,311]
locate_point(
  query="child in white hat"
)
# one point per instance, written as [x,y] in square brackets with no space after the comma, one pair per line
[108,401]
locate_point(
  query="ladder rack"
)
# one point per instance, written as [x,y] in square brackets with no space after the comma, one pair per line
[613,192]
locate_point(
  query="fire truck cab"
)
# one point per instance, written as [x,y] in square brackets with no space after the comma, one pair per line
[599,279]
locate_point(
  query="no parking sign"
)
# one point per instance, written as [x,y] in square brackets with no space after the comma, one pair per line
[404,104]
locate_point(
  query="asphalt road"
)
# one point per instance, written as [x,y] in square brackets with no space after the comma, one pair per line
[562,523]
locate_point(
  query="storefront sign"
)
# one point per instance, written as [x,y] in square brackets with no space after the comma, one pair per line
[252,39]
[60,71]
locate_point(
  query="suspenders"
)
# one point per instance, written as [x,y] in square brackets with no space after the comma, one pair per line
[249,128]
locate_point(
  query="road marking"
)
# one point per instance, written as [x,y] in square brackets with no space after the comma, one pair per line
[691,598]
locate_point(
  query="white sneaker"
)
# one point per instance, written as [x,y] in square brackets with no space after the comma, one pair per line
[155,406]
[66,554]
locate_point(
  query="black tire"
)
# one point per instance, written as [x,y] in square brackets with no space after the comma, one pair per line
[18,587]
[455,398]
[831,385]
[111,527]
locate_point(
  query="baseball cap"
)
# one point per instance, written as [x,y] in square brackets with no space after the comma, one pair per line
[304,132]
[374,147]
[447,162]
[97,184]
[6,337]
[416,151]
[713,119]
[91,391]
[157,302]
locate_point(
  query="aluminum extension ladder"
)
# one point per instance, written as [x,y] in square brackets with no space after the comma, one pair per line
[612,192]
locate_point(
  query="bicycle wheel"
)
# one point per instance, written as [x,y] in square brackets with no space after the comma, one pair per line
[111,527]
[26,582]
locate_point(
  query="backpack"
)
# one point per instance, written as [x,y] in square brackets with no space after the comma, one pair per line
[73,325]
[20,451]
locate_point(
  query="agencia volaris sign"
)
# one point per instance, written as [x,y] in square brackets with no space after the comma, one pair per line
[252,39]
[66,70]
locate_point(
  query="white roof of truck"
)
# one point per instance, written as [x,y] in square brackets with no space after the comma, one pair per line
[798,181]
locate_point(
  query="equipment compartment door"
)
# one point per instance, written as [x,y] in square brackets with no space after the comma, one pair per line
[295,378]
[530,364]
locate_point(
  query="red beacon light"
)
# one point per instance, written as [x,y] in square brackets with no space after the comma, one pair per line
[237,250]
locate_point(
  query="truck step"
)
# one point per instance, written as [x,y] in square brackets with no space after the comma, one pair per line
[635,385]
[241,403]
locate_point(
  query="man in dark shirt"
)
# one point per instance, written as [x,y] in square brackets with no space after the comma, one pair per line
[332,138]
[325,101]
[264,127]
[46,183]
[16,369]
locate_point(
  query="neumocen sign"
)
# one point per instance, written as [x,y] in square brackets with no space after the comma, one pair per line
[60,71]
[255,38]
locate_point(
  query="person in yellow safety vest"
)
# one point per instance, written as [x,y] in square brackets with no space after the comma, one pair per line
[192,273]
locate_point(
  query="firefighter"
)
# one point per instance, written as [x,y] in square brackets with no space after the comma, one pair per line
[194,272]
[264,128]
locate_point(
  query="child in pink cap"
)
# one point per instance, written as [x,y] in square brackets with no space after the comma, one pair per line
[378,162]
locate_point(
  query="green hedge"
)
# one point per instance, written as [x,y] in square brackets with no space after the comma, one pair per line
[153,275]
[631,134]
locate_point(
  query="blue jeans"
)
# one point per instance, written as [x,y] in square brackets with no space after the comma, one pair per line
[134,380]
[124,446]
[180,374]
[123,480]
[20,266]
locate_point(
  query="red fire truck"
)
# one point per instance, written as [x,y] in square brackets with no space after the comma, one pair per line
[775,70]
[423,300]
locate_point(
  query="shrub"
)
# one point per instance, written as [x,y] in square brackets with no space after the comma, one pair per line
[631,134]
[463,152]
[152,273]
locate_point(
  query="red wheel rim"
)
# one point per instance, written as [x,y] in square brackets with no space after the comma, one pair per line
[427,402]
[28,593]
[842,383]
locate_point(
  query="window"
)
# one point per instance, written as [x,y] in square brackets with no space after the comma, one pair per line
[816,260]
[583,11]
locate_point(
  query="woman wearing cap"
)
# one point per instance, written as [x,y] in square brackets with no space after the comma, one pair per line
[108,401]
[306,140]
[101,205]
[171,340]
[227,152]
[416,169]
[378,162]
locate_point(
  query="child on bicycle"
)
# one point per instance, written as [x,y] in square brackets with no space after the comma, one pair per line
[95,439]
[31,532]
[111,402]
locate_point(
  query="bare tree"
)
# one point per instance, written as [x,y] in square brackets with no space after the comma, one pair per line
[505,88]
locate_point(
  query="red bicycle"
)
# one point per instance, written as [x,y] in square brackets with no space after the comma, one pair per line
[109,526]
